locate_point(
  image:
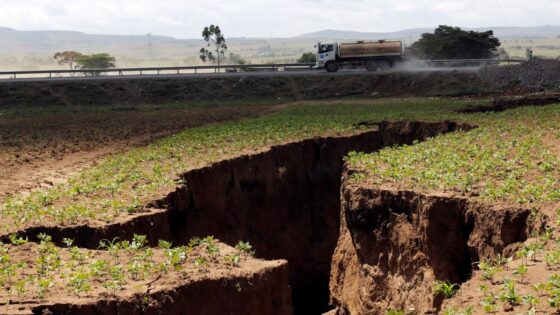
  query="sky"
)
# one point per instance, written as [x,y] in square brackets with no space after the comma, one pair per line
[266,18]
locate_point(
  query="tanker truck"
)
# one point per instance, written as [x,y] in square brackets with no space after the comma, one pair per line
[372,55]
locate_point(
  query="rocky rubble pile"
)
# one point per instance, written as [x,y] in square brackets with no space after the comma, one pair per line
[537,74]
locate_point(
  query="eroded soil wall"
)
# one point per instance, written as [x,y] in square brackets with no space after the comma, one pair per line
[395,244]
[285,202]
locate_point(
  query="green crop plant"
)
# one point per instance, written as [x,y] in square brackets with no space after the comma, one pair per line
[80,282]
[19,288]
[232,260]
[394,312]
[194,242]
[500,260]
[16,240]
[164,244]
[454,311]
[489,303]
[8,270]
[534,249]
[509,294]
[211,246]
[201,262]
[138,242]
[48,256]
[554,299]
[521,271]
[524,253]
[114,247]
[245,248]
[44,285]
[98,268]
[552,259]
[488,270]
[77,254]
[532,302]
[445,288]
[539,288]
[116,281]
[547,235]
[176,256]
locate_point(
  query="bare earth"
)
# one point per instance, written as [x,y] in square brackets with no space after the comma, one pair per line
[42,149]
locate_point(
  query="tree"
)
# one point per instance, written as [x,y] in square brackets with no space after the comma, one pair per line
[307,57]
[67,57]
[216,41]
[236,59]
[454,43]
[96,61]
[503,54]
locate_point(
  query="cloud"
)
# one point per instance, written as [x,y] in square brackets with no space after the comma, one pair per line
[185,18]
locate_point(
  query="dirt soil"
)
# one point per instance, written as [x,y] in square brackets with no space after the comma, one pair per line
[131,92]
[43,149]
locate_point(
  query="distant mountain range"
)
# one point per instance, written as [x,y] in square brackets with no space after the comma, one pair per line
[546,31]
[55,39]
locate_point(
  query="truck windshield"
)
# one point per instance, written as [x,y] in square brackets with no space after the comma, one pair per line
[323,48]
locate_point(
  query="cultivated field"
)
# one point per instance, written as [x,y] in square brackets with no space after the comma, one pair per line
[160,208]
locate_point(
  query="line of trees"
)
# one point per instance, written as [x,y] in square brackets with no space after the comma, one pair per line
[76,60]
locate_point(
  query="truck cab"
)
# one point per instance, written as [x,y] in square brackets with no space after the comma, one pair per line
[325,52]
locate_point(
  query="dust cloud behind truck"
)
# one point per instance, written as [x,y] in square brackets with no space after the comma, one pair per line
[372,55]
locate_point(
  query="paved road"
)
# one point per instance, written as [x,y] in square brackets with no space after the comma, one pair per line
[246,74]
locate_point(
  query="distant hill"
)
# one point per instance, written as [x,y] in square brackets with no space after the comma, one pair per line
[32,50]
[47,40]
[335,34]
[546,31]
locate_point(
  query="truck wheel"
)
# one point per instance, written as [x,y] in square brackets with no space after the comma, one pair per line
[371,65]
[331,66]
[384,65]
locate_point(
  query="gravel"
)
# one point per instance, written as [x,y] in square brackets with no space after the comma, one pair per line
[538,74]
